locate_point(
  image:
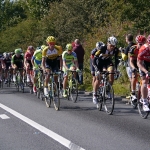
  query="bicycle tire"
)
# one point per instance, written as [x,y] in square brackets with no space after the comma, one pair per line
[74,90]
[100,99]
[55,98]
[68,93]
[48,101]
[142,113]
[109,102]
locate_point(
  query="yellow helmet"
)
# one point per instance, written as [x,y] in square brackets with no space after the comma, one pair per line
[51,39]
[43,46]
[69,47]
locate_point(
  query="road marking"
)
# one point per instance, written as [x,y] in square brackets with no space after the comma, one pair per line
[43,129]
[3,116]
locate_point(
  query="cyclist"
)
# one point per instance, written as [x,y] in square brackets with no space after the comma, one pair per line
[70,62]
[102,61]
[27,62]
[98,46]
[6,65]
[143,62]
[17,62]
[133,52]
[36,63]
[49,60]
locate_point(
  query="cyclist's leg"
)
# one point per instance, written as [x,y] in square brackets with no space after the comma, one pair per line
[14,66]
[144,91]
[110,69]
[36,70]
[65,75]
[133,86]
[27,66]
[95,87]
[92,72]
[47,76]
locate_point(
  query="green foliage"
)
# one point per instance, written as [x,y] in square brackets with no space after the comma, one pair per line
[29,22]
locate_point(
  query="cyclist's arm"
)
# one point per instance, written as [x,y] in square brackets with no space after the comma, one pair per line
[32,60]
[141,66]
[64,64]
[3,64]
[132,63]
[61,62]
[13,61]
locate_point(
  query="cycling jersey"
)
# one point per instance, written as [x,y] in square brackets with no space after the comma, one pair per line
[52,54]
[69,58]
[28,55]
[99,59]
[144,53]
[18,61]
[37,55]
[7,62]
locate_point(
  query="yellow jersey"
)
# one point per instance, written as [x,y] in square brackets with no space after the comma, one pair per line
[52,54]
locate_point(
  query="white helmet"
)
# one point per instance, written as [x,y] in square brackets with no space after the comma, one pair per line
[112,40]
[99,44]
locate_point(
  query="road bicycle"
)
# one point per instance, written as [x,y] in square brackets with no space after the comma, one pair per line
[19,82]
[72,88]
[40,84]
[9,76]
[105,94]
[53,92]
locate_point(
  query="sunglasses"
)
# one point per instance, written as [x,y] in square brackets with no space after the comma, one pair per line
[51,43]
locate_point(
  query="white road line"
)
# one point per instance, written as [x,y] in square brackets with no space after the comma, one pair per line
[3,116]
[43,129]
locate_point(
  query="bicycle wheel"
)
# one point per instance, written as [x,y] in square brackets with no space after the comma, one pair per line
[68,93]
[74,90]
[100,98]
[56,100]
[108,98]
[142,113]
[48,101]
[22,86]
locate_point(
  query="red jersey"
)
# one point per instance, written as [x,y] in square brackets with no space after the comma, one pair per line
[144,53]
[28,55]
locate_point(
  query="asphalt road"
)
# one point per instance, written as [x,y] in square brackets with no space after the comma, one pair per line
[26,124]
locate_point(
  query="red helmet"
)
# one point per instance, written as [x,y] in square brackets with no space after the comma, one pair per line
[140,39]
[148,39]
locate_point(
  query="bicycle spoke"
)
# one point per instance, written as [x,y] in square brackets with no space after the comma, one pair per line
[56,100]
[108,98]
[74,91]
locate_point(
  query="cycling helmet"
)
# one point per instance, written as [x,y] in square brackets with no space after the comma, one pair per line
[112,40]
[38,48]
[69,47]
[43,46]
[18,51]
[51,39]
[5,55]
[148,39]
[99,44]
[140,39]
[30,48]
